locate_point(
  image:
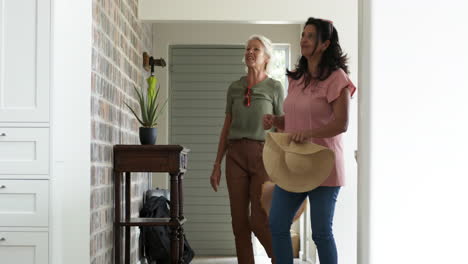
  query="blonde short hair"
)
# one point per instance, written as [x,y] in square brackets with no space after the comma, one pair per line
[268,51]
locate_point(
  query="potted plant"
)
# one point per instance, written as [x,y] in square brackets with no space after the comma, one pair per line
[150,111]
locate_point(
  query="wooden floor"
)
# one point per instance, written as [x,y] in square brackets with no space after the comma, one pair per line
[233,260]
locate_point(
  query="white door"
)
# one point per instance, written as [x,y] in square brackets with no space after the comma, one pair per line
[24,60]
[199,79]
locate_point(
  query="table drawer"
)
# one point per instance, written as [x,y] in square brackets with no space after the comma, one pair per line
[24,203]
[24,150]
[24,247]
[150,158]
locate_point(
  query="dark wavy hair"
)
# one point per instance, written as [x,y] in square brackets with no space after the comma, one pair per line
[332,58]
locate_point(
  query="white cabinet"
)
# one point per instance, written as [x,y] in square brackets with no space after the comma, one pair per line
[24,60]
[24,150]
[24,247]
[25,49]
[24,203]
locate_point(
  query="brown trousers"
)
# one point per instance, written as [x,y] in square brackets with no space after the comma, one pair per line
[245,175]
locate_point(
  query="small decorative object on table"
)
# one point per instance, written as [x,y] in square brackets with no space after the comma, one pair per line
[150,111]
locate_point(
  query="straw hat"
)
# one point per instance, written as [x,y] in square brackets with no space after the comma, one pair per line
[296,167]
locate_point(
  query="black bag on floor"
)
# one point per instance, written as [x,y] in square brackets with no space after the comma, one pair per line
[156,240]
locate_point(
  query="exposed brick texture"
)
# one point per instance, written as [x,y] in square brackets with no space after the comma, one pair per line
[119,40]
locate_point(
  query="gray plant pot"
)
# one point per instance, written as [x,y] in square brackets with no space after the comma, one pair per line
[148,135]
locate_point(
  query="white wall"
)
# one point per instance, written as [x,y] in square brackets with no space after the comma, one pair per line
[277,11]
[70,176]
[415,57]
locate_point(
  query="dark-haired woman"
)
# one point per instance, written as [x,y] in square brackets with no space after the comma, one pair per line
[316,110]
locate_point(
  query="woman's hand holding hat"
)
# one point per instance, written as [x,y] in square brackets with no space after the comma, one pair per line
[301,136]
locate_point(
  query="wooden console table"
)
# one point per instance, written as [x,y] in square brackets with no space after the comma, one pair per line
[149,158]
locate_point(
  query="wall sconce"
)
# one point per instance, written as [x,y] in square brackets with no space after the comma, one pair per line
[149,62]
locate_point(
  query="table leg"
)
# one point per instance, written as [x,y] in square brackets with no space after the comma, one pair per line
[174,218]
[181,216]
[128,185]
[117,237]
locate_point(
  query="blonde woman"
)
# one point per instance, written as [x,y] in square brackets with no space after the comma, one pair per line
[242,138]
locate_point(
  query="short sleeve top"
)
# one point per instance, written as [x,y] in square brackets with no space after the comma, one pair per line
[311,108]
[266,98]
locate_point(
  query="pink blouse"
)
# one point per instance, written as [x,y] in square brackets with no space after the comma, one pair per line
[311,108]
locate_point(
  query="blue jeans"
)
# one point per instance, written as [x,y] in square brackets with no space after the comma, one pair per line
[322,207]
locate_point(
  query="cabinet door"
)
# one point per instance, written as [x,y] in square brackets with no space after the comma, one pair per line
[24,150]
[24,60]
[24,203]
[24,247]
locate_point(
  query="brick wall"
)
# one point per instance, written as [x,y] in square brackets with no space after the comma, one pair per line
[119,40]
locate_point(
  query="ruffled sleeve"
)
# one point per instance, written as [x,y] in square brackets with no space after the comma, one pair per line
[339,80]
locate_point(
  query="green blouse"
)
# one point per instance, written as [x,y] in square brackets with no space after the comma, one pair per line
[267,98]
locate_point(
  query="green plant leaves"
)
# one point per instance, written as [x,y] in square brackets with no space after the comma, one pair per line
[149,108]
